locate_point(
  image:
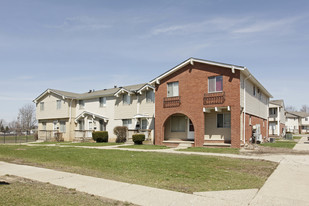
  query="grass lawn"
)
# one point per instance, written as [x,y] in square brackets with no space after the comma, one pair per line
[143,146]
[184,173]
[211,150]
[93,144]
[297,137]
[26,192]
[281,144]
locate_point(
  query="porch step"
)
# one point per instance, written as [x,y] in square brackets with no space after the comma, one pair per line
[217,144]
[184,145]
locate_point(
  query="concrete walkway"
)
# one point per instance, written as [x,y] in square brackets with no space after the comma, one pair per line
[303,144]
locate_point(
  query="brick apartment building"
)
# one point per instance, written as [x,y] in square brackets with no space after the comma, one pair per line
[203,102]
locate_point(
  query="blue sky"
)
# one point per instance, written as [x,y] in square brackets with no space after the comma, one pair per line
[95,44]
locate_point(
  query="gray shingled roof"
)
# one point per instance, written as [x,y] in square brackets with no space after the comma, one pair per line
[297,114]
[99,93]
[278,102]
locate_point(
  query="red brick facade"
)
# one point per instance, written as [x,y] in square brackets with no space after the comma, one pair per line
[193,84]
[255,120]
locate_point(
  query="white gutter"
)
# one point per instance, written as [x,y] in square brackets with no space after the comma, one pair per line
[244,136]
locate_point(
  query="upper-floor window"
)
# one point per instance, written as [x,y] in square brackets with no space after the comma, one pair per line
[172,89]
[81,104]
[272,111]
[150,96]
[215,84]
[41,106]
[224,120]
[306,119]
[58,104]
[126,122]
[254,91]
[102,101]
[126,99]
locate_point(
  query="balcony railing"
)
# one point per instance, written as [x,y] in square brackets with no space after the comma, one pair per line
[214,98]
[171,102]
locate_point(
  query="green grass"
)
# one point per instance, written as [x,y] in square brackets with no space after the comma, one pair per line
[211,150]
[280,144]
[92,144]
[297,137]
[184,173]
[150,147]
[26,192]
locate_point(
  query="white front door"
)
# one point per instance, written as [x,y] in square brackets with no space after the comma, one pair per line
[190,130]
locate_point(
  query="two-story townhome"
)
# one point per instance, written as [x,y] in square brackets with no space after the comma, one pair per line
[297,122]
[75,116]
[55,112]
[204,102]
[276,118]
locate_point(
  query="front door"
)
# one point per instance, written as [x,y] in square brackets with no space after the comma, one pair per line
[190,130]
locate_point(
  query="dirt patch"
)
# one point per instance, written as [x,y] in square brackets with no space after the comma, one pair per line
[256,149]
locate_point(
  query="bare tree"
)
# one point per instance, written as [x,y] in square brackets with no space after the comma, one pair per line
[2,123]
[305,108]
[26,117]
[14,126]
[290,108]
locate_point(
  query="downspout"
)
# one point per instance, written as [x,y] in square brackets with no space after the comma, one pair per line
[244,136]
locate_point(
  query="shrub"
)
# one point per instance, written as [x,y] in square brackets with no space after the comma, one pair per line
[100,136]
[121,133]
[138,138]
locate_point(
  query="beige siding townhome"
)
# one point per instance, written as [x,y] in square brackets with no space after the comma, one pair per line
[277,118]
[73,117]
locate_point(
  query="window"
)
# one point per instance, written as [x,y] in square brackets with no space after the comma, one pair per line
[126,99]
[172,89]
[62,126]
[81,125]
[43,125]
[41,106]
[272,111]
[306,119]
[90,125]
[102,101]
[254,91]
[215,84]
[58,104]
[178,124]
[126,122]
[81,104]
[144,124]
[150,97]
[224,120]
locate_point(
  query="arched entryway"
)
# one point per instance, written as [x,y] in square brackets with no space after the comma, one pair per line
[178,127]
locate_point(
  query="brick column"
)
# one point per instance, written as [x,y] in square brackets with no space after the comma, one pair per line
[235,126]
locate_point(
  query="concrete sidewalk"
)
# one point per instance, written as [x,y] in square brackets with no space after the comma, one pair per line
[136,194]
[289,184]
[303,144]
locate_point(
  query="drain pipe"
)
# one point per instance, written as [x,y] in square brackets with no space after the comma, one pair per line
[244,136]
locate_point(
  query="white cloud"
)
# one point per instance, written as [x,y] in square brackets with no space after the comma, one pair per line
[267,25]
[81,23]
[228,25]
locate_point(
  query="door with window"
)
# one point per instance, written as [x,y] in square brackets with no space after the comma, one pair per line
[190,130]
[272,128]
